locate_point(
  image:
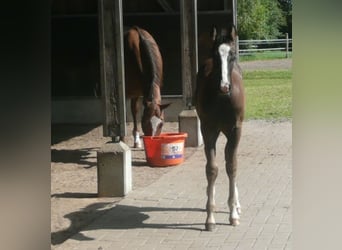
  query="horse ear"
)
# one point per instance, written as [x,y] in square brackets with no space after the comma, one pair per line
[147,103]
[234,33]
[164,106]
[213,33]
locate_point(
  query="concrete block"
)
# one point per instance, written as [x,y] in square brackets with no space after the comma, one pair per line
[114,170]
[190,123]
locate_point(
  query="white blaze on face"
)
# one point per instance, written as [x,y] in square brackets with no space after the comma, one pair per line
[224,52]
[155,121]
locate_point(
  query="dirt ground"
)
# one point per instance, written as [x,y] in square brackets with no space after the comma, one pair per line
[276,64]
[74,175]
[74,170]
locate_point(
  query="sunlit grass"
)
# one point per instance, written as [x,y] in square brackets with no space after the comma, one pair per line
[268,94]
[266,55]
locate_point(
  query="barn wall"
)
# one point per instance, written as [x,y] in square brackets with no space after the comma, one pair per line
[75,69]
[75,51]
[89,110]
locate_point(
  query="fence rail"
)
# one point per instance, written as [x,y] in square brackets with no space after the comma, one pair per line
[247,47]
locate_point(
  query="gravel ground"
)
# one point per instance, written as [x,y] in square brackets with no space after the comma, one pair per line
[277,64]
[74,175]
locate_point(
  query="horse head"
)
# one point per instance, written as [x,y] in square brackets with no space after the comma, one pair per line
[153,118]
[223,53]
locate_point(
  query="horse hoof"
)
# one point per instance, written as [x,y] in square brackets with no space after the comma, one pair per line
[234,222]
[210,227]
[137,145]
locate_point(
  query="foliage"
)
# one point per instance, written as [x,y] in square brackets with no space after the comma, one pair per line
[268,94]
[286,7]
[259,19]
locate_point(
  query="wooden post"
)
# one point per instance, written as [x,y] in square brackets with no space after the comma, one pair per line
[188,10]
[287,45]
[112,68]
[188,119]
[235,13]
[237,45]
[114,160]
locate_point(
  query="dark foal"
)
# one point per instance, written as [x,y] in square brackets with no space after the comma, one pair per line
[143,77]
[220,104]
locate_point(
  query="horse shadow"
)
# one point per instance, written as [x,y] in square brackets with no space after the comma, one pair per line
[63,132]
[74,195]
[78,156]
[118,217]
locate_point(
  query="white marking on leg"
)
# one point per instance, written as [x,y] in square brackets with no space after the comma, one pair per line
[224,52]
[211,205]
[238,206]
[232,203]
[213,201]
[233,209]
[137,140]
[211,218]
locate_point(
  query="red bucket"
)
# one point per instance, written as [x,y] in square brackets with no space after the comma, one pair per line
[166,149]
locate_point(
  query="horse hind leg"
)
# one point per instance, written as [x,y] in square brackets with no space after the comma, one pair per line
[211,174]
[135,132]
[231,168]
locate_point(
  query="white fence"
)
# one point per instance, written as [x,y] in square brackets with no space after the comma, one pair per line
[247,47]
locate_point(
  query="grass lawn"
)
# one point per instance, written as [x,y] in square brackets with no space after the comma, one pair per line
[266,55]
[268,94]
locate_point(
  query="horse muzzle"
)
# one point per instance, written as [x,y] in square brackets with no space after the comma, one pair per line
[157,124]
[225,89]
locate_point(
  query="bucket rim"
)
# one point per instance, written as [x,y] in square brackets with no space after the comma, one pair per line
[167,135]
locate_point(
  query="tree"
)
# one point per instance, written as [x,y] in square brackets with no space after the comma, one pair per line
[286,7]
[259,19]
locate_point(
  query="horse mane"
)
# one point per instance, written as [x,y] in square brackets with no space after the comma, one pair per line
[151,64]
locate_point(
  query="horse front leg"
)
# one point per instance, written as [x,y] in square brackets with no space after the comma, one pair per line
[211,174]
[135,132]
[231,168]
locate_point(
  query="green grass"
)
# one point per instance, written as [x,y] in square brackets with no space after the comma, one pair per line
[268,94]
[266,55]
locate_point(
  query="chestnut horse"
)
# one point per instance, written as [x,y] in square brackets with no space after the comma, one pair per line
[220,103]
[143,77]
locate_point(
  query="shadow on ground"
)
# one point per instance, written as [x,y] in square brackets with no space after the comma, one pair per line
[63,132]
[78,156]
[122,217]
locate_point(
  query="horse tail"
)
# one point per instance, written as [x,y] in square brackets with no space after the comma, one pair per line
[152,65]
